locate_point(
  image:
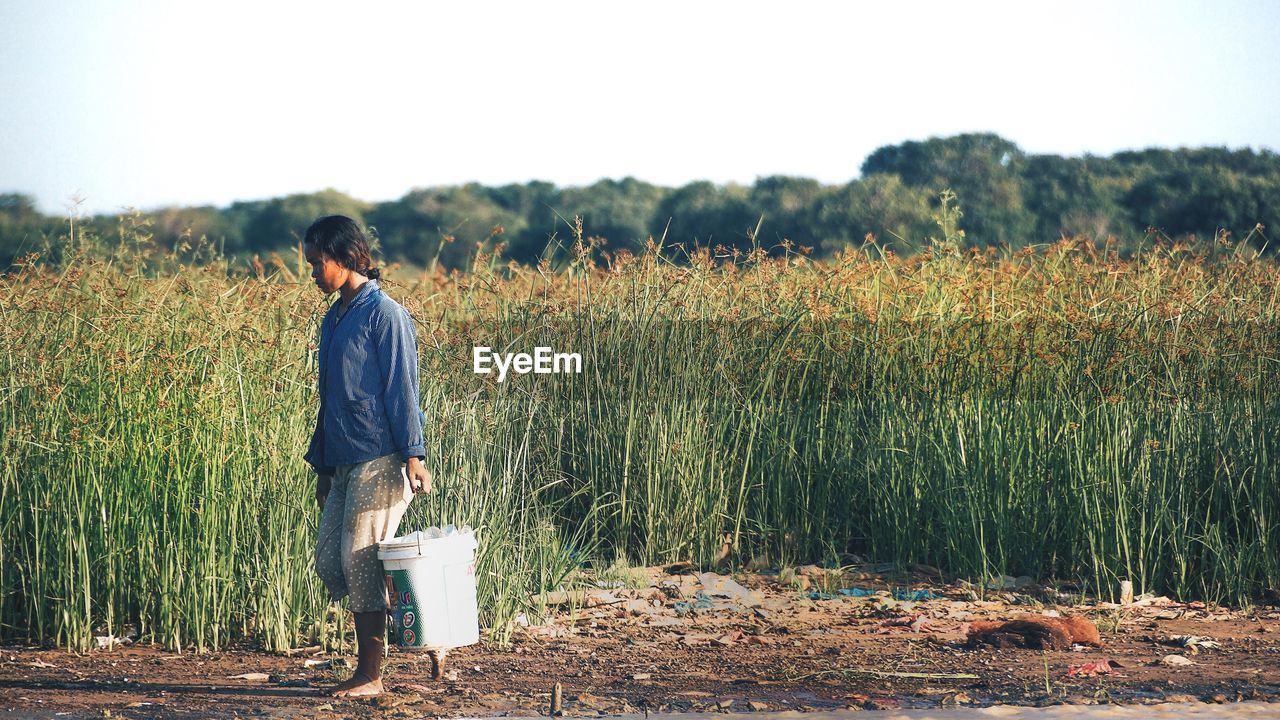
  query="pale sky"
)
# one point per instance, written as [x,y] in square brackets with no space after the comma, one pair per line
[145,104]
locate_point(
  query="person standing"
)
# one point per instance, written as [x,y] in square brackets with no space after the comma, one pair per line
[367,448]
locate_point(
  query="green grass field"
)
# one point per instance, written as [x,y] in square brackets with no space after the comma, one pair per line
[1060,413]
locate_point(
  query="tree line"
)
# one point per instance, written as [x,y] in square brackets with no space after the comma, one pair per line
[1008,199]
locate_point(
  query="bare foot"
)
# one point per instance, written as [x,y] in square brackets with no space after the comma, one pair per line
[437,663]
[357,686]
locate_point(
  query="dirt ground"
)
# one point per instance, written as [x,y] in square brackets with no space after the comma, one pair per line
[805,639]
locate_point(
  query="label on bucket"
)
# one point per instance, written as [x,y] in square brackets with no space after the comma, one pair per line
[406,617]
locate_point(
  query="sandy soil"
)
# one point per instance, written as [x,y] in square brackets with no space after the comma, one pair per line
[705,642]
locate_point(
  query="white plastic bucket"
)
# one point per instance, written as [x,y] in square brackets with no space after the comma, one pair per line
[431,580]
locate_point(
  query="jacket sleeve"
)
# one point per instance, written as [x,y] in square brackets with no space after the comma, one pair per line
[398,363]
[315,451]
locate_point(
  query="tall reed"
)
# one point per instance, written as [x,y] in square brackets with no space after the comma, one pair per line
[1061,412]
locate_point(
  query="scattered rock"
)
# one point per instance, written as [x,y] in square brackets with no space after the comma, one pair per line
[729,638]
[423,689]
[1007,582]
[907,623]
[726,587]
[107,642]
[637,607]
[1175,661]
[1099,667]
[590,701]
[1192,642]
[596,598]
[386,701]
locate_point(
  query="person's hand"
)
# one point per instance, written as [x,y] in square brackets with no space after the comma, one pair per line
[322,489]
[419,476]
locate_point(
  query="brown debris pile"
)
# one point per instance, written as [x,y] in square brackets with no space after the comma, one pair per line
[1034,631]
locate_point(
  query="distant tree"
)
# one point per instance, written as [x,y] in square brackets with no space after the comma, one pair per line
[1202,190]
[1073,196]
[22,227]
[983,170]
[704,214]
[237,218]
[443,225]
[534,203]
[281,223]
[1007,197]
[790,207]
[16,208]
[899,216]
[1139,163]
[1198,200]
[618,210]
[526,200]
[198,226]
[407,233]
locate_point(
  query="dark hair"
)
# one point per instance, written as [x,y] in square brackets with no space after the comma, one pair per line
[340,239]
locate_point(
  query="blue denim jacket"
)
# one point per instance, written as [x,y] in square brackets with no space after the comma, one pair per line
[368,384]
